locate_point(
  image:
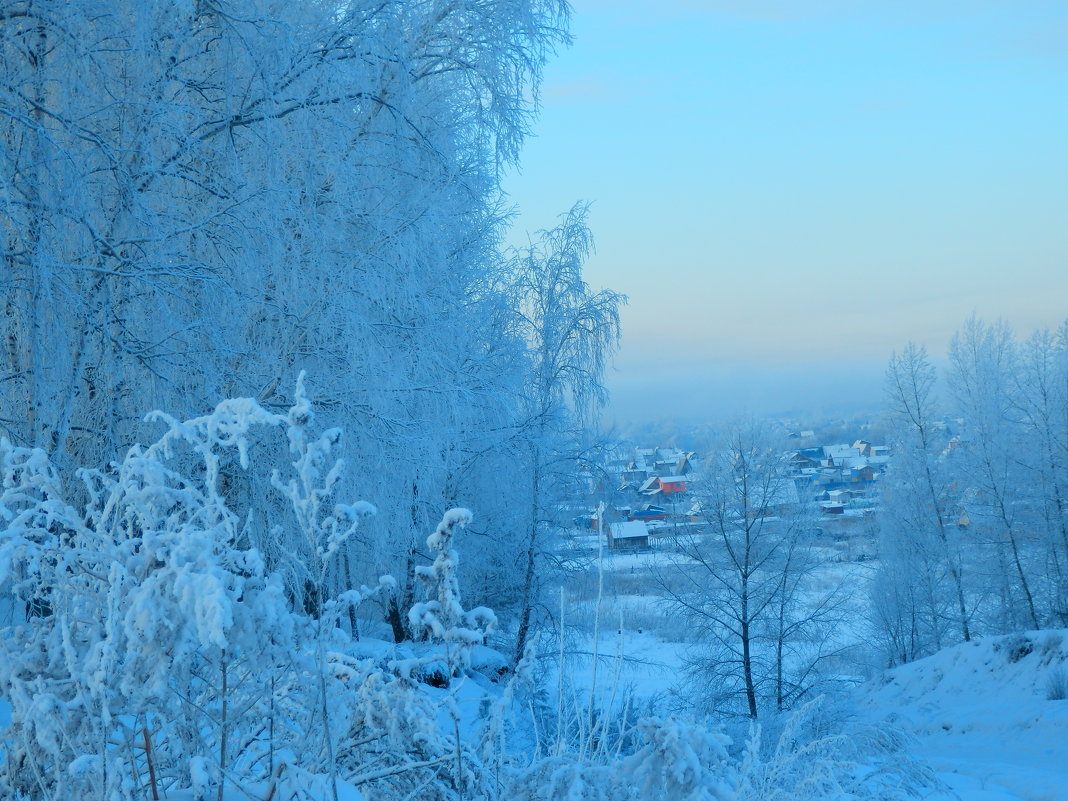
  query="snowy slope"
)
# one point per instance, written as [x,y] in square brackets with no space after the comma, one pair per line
[983,716]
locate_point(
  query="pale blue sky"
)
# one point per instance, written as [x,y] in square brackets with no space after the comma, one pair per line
[788,191]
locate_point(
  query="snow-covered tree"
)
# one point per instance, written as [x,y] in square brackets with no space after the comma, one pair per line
[972,534]
[570,332]
[201,198]
[982,360]
[761,628]
[1041,398]
[920,600]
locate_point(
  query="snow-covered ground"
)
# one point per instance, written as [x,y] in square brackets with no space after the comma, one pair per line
[989,717]
[638,646]
[983,716]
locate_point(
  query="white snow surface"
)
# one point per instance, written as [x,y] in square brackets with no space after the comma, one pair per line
[345,792]
[982,716]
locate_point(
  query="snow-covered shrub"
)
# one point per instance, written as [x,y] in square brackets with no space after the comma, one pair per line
[1017,647]
[681,761]
[151,649]
[1057,684]
[442,617]
[391,744]
[854,762]
[676,760]
[148,618]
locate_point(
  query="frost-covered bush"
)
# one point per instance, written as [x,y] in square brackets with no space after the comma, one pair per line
[150,648]
[859,762]
[692,761]
[675,760]
[148,618]
[1057,684]
[443,617]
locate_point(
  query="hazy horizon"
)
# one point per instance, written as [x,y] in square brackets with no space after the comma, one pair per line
[788,192]
[719,394]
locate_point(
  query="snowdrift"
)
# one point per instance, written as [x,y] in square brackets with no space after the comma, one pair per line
[990,715]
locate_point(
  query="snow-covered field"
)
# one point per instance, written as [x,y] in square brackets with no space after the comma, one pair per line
[989,717]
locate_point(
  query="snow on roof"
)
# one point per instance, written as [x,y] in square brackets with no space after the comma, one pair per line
[840,451]
[851,461]
[672,479]
[631,529]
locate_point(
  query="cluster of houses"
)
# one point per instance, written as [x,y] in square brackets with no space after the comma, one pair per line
[837,476]
[655,495]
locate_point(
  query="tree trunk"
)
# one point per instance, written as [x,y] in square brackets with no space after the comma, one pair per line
[395,615]
[527,593]
[747,670]
[954,566]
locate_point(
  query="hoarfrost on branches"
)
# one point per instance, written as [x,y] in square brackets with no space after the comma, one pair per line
[443,617]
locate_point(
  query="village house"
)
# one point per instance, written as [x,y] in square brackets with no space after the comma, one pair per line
[672,484]
[628,534]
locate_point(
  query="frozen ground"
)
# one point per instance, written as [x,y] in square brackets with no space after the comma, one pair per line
[983,715]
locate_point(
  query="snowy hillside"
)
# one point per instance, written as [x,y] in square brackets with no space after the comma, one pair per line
[991,716]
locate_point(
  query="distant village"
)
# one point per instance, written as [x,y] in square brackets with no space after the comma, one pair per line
[647,494]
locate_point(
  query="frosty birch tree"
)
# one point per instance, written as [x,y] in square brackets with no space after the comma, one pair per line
[918,510]
[1041,392]
[569,331]
[201,198]
[982,360]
